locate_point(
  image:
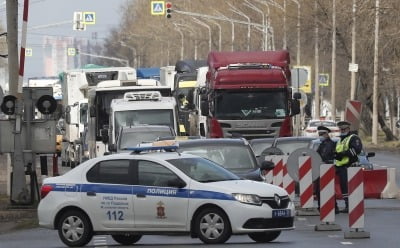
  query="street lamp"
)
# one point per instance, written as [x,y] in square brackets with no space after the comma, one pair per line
[264,30]
[268,45]
[181,33]
[232,28]
[298,31]
[283,8]
[134,52]
[209,30]
[237,11]
[192,32]
[219,33]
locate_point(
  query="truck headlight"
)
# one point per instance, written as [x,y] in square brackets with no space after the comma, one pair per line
[248,199]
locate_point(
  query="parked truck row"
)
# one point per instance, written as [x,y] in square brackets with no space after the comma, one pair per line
[230,94]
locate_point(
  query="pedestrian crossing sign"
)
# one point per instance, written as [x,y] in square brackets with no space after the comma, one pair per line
[157,8]
[89,18]
[71,51]
[323,79]
[28,52]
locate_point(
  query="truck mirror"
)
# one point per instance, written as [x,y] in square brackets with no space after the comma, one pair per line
[92,111]
[112,147]
[104,135]
[68,118]
[294,107]
[297,95]
[204,108]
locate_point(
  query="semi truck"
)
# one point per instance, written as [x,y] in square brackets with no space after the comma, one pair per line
[75,84]
[112,107]
[184,86]
[247,94]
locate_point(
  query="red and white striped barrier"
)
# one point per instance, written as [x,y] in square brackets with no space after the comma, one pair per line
[327,193]
[327,199]
[305,182]
[288,182]
[356,203]
[23,45]
[391,189]
[278,171]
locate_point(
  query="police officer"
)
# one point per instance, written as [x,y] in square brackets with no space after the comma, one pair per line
[347,150]
[327,152]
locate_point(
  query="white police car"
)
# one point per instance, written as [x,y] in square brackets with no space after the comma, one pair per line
[130,195]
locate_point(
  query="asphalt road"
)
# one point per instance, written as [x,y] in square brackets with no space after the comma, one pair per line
[382,218]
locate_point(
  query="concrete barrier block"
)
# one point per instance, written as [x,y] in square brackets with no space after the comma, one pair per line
[391,189]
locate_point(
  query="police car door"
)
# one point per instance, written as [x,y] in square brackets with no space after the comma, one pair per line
[107,197]
[156,205]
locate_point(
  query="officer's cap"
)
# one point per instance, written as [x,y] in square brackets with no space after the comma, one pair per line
[323,129]
[343,124]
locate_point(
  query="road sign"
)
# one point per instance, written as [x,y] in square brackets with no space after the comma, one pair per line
[28,52]
[157,7]
[71,51]
[353,113]
[307,86]
[353,67]
[299,77]
[89,18]
[323,79]
[78,23]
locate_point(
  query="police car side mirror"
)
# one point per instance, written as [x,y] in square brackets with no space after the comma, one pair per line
[267,165]
[176,183]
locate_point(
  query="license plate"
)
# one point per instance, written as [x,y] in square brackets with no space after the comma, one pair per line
[280,213]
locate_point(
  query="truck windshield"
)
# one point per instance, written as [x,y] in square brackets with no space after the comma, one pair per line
[143,117]
[250,105]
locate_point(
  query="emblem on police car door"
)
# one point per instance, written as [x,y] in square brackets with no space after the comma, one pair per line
[160,210]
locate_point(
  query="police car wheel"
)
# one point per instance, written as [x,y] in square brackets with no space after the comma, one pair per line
[212,226]
[264,237]
[74,228]
[126,239]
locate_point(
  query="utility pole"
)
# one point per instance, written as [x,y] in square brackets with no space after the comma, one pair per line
[12,43]
[353,54]
[333,77]
[375,87]
[316,79]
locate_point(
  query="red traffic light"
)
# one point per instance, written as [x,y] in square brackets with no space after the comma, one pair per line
[168,5]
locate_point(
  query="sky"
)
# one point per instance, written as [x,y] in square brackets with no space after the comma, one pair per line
[47,12]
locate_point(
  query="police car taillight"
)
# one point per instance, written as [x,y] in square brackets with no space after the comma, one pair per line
[44,190]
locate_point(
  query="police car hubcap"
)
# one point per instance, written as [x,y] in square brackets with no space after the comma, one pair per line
[212,226]
[72,228]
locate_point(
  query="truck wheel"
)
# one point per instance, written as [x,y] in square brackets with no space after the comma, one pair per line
[212,226]
[264,237]
[126,239]
[74,228]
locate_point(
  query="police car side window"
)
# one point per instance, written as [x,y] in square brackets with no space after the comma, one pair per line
[153,174]
[110,171]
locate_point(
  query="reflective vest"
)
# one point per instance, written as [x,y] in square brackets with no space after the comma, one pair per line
[342,146]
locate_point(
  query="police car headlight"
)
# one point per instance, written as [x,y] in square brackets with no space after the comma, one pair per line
[248,199]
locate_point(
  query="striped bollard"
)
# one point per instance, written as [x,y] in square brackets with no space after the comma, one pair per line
[327,199]
[278,171]
[288,182]
[355,179]
[306,187]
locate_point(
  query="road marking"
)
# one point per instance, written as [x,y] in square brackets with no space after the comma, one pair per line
[346,243]
[100,242]
[301,218]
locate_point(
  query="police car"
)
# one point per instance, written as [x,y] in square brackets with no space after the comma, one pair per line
[130,195]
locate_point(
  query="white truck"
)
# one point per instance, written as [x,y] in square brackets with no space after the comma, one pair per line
[112,106]
[75,85]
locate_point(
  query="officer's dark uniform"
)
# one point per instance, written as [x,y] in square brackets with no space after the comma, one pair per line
[347,150]
[327,152]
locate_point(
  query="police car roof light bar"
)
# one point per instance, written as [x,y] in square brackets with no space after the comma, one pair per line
[136,150]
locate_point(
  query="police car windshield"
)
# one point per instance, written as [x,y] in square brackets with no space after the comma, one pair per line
[203,170]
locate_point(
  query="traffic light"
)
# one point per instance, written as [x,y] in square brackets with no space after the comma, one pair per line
[168,7]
